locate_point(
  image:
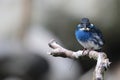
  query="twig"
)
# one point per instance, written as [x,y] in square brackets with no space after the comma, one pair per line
[102,60]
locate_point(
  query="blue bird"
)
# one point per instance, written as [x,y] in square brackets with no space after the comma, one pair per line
[88,35]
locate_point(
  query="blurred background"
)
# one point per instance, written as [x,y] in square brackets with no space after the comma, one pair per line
[27,26]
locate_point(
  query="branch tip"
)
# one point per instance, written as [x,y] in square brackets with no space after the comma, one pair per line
[51,42]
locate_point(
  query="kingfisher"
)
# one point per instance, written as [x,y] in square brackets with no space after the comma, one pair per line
[89,36]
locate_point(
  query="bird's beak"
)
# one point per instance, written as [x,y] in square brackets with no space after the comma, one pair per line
[85,27]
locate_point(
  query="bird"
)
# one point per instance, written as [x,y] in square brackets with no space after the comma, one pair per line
[89,36]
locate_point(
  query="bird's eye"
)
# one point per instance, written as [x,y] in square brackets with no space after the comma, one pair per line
[80,26]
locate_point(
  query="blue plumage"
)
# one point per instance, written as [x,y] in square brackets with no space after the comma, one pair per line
[88,35]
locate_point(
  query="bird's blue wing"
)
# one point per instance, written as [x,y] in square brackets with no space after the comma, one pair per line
[97,35]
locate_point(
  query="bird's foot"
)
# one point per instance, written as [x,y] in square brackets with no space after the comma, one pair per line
[90,50]
[84,50]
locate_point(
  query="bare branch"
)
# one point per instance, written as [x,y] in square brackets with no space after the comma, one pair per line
[102,60]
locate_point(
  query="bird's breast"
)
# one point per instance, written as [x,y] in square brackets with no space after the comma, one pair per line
[82,35]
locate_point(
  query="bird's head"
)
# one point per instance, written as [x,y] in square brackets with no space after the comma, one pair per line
[84,25]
